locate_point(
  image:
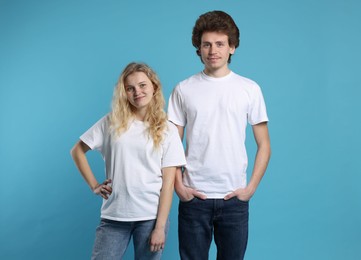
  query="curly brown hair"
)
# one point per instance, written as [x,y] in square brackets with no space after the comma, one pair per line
[215,21]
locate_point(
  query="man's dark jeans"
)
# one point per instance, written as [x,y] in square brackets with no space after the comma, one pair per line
[199,219]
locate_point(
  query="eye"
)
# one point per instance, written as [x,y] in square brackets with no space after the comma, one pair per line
[220,44]
[205,45]
[129,89]
[142,85]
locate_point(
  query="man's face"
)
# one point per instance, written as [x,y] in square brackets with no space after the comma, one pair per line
[215,51]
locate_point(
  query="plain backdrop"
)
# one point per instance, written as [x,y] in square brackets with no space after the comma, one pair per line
[60,60]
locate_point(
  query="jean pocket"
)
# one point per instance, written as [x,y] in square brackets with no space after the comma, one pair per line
[242,201]
[188,201]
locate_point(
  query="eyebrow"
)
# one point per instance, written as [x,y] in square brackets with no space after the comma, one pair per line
[130,85]
[214,42]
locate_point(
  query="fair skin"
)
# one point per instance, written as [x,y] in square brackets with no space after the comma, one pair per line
[157,238]
[215,51]
[139,91]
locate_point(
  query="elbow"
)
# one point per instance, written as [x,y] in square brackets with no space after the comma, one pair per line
[74,150]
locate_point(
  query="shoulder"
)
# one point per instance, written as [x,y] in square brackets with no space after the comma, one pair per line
[105,121]
[171,128]
[102,122]
[190,80]
[95,135]
[247,82]
[185,87]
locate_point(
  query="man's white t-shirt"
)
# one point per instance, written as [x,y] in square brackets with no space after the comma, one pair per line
[134,167]
[215,112]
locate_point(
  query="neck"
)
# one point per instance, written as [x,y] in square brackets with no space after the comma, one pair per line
[218,73]
[140,114]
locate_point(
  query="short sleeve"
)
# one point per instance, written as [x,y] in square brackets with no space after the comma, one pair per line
[257,112]
[94,136]
[176,111]
[173,151]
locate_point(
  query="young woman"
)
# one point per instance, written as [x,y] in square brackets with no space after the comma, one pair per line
[141,150]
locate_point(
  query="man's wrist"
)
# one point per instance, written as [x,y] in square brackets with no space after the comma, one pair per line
[250,189]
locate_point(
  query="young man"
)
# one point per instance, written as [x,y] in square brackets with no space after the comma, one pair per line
[214,107]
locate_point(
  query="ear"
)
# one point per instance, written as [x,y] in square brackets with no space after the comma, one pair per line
[232,49]
[198,52]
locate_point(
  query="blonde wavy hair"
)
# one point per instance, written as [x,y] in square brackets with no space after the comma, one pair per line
[122,111]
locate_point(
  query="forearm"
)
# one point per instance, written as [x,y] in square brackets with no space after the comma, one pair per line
[81,162]
[178,178]
[260,165]
[157,237]
[165,200]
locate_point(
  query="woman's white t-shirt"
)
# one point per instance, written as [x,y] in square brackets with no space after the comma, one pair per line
[134,167]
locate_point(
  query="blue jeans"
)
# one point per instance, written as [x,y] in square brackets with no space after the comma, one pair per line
[112,239]
[199,219]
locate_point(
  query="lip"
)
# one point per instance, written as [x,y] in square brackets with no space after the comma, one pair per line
[138,98]
[212,59]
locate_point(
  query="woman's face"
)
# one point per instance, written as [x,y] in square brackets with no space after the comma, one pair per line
[139,91]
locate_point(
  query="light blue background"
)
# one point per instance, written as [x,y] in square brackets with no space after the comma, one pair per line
[59,61]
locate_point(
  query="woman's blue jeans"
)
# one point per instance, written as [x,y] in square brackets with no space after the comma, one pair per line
[112,239]
[199,219]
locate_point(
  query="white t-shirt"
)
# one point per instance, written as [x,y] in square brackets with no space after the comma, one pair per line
[215,112]
[134,168]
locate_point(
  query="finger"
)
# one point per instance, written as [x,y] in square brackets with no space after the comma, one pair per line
[104,196]
[156,247]
[107,181]
[107,189]
[104,193]
[199,195]
[229,196]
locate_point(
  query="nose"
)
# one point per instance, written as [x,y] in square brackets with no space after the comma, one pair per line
[212,49]
[136,91]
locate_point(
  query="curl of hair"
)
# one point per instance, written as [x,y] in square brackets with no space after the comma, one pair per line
[122,111]
[215,21]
